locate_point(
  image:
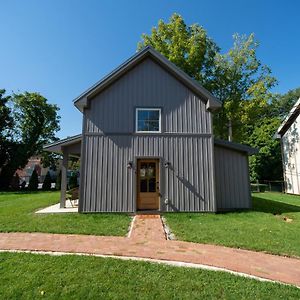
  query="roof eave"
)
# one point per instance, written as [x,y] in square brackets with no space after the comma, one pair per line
[236,146]
[57,146]
[288,121]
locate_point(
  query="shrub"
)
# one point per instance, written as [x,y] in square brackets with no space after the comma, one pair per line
[47,182]
[33,181]
[15,182]
[73,180]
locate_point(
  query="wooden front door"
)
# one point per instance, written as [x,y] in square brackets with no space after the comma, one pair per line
[148,184]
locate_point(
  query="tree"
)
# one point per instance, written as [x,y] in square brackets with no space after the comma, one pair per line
[35,123]
[267,164]
[47,182]
[243,85]
[6,126]
[237,77]
[33,181]
[282,104]
[15,182]
[188,47]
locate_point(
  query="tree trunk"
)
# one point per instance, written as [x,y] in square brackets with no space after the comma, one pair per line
[229,131]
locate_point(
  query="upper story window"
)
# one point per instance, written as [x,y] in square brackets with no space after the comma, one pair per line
[148,120]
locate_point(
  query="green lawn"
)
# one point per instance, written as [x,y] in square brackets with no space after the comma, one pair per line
[17,214]
[262,229]
[32,276]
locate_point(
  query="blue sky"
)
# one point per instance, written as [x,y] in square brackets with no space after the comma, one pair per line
[60,48]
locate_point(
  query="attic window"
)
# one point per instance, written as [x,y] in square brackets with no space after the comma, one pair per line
[148,120]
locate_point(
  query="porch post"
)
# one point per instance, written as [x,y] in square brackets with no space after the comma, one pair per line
[64,169]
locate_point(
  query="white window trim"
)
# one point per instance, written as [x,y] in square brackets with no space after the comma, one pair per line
[136,119]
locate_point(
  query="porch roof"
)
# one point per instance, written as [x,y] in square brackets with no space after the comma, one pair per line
[71,144]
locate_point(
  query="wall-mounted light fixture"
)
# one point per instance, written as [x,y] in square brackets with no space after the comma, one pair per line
[167,164]
[129,165]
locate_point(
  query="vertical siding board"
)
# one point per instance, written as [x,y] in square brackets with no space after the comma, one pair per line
[99,174]
[95,176]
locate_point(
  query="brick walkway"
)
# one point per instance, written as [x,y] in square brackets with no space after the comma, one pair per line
[147,240]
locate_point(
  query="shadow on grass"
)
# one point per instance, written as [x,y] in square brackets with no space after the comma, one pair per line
[266,206]
[273,207]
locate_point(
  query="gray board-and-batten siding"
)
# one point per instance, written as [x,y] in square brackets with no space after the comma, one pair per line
[111,186]
[232,184]
[186,142]
[110,143]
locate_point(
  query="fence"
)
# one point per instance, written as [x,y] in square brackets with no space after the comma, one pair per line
[268,185]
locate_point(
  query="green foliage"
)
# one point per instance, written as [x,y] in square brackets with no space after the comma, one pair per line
[188,47]
[35,122]
[58,181]
[243,85]
[15,182]
[73,163]
[266,165]
[33,181]
[50,159]
[47,182]
[6,126]
[73,180]
[6,120]
[282,104]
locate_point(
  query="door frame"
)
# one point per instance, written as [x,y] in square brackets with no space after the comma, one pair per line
[135,181]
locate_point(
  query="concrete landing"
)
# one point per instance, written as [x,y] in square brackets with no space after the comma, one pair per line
[55,209]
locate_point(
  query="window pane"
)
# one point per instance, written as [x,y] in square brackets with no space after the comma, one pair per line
[143,186]
[153,115]
[143,171]
[148,120]
[142,126]
[152,185]
[151,170]
[142,115]
[153,125]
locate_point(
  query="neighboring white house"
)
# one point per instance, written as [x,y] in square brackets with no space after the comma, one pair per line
[289,132]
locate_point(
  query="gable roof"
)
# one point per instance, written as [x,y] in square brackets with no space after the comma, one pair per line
[211,102]
[289,120]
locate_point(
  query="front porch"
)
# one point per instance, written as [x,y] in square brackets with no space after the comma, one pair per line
[69,147]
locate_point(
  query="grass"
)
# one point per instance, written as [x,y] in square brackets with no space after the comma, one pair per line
[33,276]
[17,214]
[261,229]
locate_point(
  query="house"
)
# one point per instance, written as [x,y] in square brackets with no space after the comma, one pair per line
[34,163]
[147,143]
[289,132]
